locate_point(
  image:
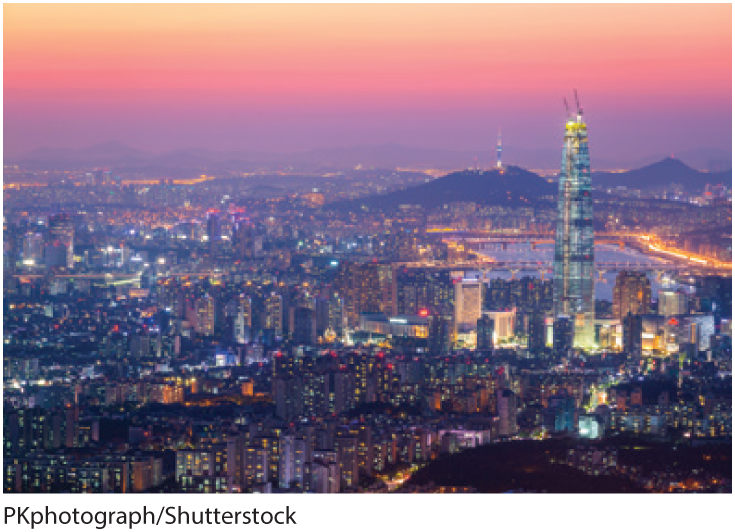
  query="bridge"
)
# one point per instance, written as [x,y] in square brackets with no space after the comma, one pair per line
[194,274]
[108,276]
[646,244]
[475,239]
[533,242]
[113,276]
[543,268]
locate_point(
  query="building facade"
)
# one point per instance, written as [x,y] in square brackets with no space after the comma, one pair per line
[631,294]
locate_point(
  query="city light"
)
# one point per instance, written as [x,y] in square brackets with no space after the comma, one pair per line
[285,250]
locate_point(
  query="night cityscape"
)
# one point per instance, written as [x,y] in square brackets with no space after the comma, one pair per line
[199,305]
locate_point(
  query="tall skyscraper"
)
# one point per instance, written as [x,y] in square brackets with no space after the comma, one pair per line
[631,294]
[574,251]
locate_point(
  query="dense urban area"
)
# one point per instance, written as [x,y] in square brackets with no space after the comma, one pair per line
[240,328]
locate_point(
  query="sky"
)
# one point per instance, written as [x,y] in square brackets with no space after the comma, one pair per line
[652,78]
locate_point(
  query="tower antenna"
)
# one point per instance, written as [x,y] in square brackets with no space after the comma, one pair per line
[499,162]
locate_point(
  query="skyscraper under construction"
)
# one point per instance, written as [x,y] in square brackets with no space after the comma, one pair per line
[574,251]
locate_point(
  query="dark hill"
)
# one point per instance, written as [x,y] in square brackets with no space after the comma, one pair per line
[517,466]
[513,187]
[662,174]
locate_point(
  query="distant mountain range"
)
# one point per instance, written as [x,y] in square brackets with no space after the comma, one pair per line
[512,187]
[516,187]
[115,154]
[661,174]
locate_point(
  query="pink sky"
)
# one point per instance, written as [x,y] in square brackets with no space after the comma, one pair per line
[653,78]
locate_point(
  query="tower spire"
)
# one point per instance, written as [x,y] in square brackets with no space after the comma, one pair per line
[499,163]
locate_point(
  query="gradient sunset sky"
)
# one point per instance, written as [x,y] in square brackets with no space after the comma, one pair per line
[652,78]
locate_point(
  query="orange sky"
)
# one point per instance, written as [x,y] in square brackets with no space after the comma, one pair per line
[138,69]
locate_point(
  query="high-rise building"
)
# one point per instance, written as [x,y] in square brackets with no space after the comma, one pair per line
[288,397]
[485,332]
[507,412]
[631,294]
[324,476]
[60,246]
[242,319]
[715,295]
[672,303]
[536,331]
[505,323]
[399,246]
[429,293]
[366,287]
[274,313]
[247,240]
[574,251]
[255,467]
[205,309]
[632,334]
[563,333]
[336,318]
[441,338]
[347,448]
[214,226]
[304,331]
[467,305]
[32,248]
[561,412]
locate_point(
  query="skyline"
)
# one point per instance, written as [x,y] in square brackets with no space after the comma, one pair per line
[243,77]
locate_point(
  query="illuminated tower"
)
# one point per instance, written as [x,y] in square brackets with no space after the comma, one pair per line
[574,251]
[499,151]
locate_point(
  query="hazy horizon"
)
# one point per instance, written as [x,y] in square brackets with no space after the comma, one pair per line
[385,155]
[302,77]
